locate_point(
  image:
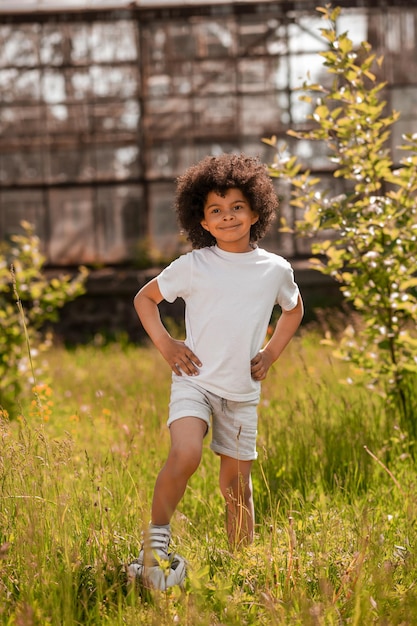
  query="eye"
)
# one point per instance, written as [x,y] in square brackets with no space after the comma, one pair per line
[238,206]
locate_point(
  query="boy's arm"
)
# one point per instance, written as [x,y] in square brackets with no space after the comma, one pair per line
[285,329]
[179,357]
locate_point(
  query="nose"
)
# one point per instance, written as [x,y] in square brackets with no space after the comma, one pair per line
[228,215]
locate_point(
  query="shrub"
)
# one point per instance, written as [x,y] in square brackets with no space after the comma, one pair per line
[28,301]
[372,250]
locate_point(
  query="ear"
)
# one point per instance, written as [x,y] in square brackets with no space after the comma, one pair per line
[204,224]
[255,218]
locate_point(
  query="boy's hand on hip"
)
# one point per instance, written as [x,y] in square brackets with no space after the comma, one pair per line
[180,358]
[260,365]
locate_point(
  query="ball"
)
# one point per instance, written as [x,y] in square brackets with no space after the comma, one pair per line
[159,577]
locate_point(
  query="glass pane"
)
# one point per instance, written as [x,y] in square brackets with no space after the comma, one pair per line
[304,35]
[163,227]
[80,36]
[54,86]
[18,205]
[115,82]
[180,41]
[214,38]
[355,23]
[260,115]
[159,85]
[268,36]
[53,42]
[67,119]
[19,85]
[309,67]
[20,121]
[121,222]
[128,116]
[211,77]
[169,78]
[169,160]
[20,45]
[167,117]
[255,147]
[403,100]
[69,162]
[215,147]
[283,105]
[116,162]
[4,37]
[72,227]
[401,33]
[181,77]
[24,164]
[400,62]
[281,72]
[113,41]
[257,74]
[114,116]
[79,84]
[216,114]
[299,109]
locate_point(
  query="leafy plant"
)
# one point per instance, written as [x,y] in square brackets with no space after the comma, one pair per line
[372,246]
[38,300]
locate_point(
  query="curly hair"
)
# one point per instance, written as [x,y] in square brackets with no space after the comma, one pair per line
[219,174]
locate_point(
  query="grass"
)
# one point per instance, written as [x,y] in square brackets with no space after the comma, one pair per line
[336,521]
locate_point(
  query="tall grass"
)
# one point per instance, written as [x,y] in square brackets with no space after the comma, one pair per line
[334,496]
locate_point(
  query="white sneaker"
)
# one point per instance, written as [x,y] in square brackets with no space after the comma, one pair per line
[155,567]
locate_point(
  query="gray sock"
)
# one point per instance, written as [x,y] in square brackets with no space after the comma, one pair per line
[167,526]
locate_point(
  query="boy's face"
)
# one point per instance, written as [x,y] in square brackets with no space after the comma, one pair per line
[229,219]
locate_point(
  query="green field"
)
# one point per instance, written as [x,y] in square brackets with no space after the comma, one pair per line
[335,498]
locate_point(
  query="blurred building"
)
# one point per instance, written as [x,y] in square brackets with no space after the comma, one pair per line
[104,102]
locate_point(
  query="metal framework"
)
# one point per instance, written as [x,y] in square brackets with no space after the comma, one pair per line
[101,109]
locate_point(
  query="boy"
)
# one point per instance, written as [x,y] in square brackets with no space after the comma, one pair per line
[230,286]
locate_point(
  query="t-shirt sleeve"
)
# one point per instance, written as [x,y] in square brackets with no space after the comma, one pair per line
[288,293]
[174,280]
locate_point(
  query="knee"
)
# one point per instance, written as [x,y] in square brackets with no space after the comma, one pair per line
[184,461]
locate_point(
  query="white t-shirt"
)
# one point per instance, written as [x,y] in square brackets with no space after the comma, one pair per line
[229,299]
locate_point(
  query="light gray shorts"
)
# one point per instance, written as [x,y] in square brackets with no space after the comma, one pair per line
[234,424]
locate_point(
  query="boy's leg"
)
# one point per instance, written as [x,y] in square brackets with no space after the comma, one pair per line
[236,487]
[184,457]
